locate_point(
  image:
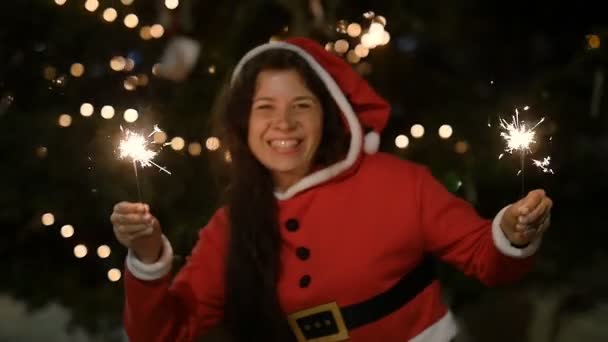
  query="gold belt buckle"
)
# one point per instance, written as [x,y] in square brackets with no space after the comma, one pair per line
[301,332]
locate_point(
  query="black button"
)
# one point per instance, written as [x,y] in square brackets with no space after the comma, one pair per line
[305,281]
[292,225]
[303,253]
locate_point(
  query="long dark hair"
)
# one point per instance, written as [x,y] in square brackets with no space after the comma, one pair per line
[253,266]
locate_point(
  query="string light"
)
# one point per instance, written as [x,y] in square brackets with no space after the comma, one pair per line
[107,112]
[353,30]
[67,231]
[103,251]
[144,33]
[130,83]
[160,137]
[114,275]
[211,69]
[402,141]
[118,63]
[417,131]
[195,148]
[110,14]
[157,31]
[131,20]
[91,5]
[86,109]
[341,46]
[77,69]
[126,2]
[352,57]
[461,147]
[60,2]
[47,219]
[65,120]
[177,143]
[171,4]
[212,143]
[131,115]
[129,64]
[80,251]
[445,131]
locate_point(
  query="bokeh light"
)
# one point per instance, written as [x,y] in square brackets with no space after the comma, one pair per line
[103,251]
[131,115]
[65,120]
[445,131]
[402,141]
[212,143]
[110,14]
[80,251]
[131,20]
[67,231]
[417,131]
[107,112]
[77,69]
[195,148]
[171,4]
[86,109]
[114,275]
[47,219]
[178,143]
[157,31]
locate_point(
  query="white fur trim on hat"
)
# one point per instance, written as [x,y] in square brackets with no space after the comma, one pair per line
[372,142]
[356,136]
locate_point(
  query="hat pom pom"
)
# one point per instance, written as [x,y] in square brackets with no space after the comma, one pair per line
[371,143]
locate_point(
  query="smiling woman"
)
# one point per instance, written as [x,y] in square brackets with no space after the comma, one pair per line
[310,210]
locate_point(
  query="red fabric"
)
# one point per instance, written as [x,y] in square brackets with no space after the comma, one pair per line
[372,110]
[364,232]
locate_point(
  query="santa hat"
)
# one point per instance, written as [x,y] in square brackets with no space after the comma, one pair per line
[363,106]
[359,103]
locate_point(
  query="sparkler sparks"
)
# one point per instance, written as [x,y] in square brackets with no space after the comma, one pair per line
[544,164]
[518,137]
[136,147]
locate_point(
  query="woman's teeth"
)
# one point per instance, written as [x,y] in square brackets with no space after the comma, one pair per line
[287,143]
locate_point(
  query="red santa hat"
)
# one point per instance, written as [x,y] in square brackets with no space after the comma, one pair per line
[359,103]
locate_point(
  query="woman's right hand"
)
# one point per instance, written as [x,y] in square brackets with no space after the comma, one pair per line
[137,229]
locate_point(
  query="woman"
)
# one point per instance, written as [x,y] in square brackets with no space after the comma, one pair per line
[320,238]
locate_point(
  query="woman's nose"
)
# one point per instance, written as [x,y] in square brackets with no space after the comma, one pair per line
[285,119]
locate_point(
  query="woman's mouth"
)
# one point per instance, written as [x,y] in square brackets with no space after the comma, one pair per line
[285,145]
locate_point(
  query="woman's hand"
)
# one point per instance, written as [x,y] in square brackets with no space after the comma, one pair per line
[138,230]
[527,218]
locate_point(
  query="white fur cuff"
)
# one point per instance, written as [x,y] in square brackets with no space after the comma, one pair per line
[153,271]
[504,245]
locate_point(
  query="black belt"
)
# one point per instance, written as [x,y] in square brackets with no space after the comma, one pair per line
[329,322]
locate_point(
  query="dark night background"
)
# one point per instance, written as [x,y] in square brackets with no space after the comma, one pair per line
[462,63]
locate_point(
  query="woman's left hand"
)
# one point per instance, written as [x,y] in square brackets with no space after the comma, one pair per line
[527,218]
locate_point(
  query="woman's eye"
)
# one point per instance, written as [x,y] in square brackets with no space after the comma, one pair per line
[264,107]
[303,105]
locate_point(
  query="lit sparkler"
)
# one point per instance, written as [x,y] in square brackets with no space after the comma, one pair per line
[136,147]
[518,137]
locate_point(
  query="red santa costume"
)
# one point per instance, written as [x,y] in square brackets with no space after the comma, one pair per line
[355,236]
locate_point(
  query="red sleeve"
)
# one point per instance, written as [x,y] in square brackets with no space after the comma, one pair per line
[455,233]
[182,310]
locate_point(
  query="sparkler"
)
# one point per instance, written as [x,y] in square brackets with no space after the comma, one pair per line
[136,147]
[519,138]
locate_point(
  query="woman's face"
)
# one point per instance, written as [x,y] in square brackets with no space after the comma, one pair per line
[285,125]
